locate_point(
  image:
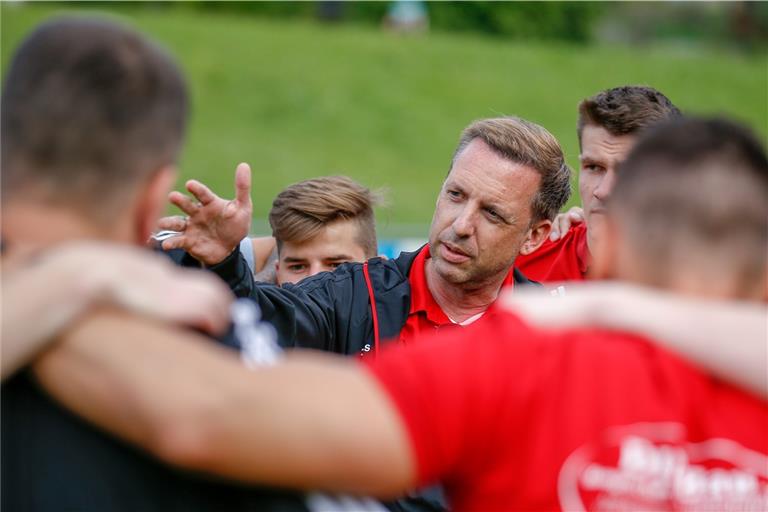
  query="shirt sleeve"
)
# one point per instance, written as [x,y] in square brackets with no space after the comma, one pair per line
[452,394]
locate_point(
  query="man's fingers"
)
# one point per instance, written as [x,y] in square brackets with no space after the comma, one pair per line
[184,203]
[243,184]
[176,242]
[201,192]
[174,223]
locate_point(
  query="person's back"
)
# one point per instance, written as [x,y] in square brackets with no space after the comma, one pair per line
[55,461]
[609,420]
[518,418]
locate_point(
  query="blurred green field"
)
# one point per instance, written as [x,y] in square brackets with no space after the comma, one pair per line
[298,100]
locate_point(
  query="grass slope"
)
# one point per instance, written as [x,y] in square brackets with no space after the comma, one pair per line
[298,100]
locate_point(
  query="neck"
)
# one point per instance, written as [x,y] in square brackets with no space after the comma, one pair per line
[460,302]
[32,226]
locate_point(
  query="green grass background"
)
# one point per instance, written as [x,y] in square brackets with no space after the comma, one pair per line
[298,99]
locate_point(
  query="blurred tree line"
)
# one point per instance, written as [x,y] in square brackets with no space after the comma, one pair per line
[739,24]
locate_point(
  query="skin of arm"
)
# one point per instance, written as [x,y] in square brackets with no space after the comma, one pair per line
[313,422]
[78,276]
[728,338]
[263,249]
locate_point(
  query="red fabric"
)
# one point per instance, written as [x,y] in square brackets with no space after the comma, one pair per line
[564,260]
[426,317]
[509,418]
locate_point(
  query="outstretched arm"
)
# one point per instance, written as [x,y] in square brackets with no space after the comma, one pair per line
[213,227]
[728,338]
[314,421]
[80,276]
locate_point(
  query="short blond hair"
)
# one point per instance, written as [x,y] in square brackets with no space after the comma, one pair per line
[303,209]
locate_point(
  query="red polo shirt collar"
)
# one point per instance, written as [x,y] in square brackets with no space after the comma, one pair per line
[423,304]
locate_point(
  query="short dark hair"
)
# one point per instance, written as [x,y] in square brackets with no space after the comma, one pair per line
[301,210]
[529,144]
[696,191]
[625,110]
[90,109]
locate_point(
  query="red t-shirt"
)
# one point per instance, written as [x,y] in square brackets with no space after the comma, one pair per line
[564,260]
[509,418]
[426,317]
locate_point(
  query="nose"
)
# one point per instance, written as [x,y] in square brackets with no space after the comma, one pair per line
[603,190]
[464,224]
[316,267]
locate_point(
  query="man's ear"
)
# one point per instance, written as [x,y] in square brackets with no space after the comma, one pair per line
[538,233]
[152,202]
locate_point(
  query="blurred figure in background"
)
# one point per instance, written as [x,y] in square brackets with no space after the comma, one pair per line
[609,125]
[407,17]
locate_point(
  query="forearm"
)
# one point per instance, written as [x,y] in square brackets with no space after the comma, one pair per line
[730,339]
[38,302]
[305,424]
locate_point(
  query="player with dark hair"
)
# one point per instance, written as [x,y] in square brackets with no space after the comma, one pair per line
[93,116]
[609,124]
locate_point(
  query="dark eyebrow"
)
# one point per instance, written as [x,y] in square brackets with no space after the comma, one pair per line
[338,257]
[288,259]
[589,160]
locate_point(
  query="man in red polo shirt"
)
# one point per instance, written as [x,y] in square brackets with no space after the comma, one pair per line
[505,416]
[608,126]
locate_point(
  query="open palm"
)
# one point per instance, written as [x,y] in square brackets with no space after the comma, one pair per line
[213,226]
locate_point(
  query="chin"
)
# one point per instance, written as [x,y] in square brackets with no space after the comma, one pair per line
[451,273]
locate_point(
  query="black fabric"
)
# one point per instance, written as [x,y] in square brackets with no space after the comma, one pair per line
[54,462]
[331,311]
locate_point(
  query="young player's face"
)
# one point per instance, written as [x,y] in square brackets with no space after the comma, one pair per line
[482,216]
[601,153]
[336,243]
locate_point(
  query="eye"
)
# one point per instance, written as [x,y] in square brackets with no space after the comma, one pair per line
[297,268]
[453,194]
[592,167]
[493,215]
[335,264]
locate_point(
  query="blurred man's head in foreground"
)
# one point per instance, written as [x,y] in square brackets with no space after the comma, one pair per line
[321,223]
[608,126]
[93,117]
[690,212]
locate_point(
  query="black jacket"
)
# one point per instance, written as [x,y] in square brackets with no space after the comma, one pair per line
[332,311]
[53,461]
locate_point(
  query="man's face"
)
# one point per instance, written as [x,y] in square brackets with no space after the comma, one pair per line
[601,153]
[335,244]
[482,216]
